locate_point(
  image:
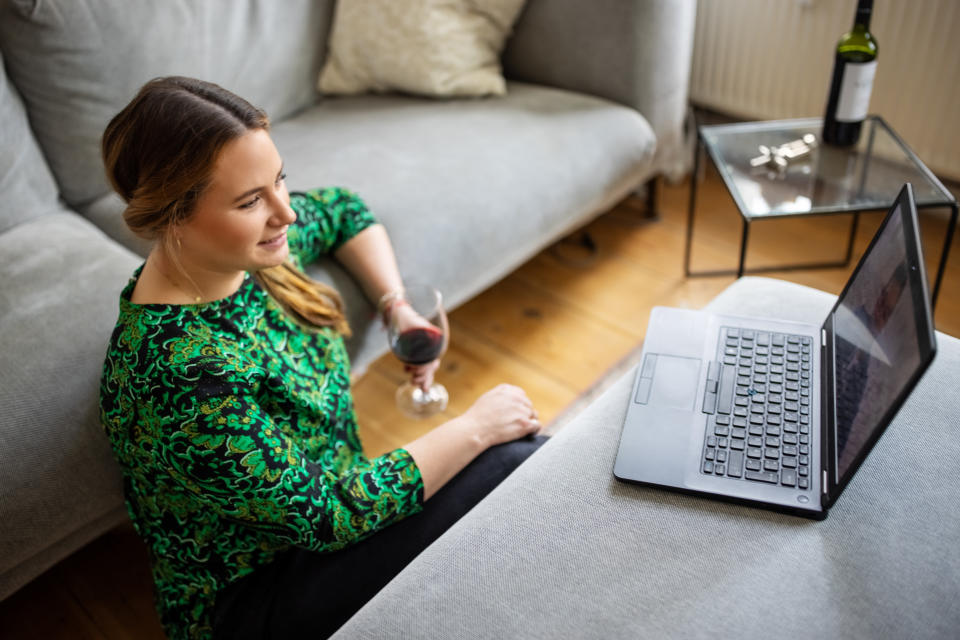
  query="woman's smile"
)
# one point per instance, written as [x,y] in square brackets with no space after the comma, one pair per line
[275,242]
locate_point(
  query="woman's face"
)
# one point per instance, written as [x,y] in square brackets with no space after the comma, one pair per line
[240,220]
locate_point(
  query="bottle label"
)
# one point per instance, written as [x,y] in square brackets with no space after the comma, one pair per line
[855,91]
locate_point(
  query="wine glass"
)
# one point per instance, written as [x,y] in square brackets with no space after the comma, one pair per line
[418,332]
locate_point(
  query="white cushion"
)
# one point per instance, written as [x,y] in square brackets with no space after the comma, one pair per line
[427,47]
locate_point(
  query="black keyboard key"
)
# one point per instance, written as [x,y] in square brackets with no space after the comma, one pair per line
[755,441]
[803,483]
[720,469]
[725,395]
[788,478]
[773,454]
[735,464]
[710,454]
[789,461]
[721,430]
[761,476]
[736,444]
[708,467]
[709,402]
[753,465]
[753,452]
[722,419]
[771,465]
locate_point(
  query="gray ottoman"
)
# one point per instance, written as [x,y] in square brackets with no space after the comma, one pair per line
[562,550]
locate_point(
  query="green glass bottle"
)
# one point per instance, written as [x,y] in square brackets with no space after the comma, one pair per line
[853,72]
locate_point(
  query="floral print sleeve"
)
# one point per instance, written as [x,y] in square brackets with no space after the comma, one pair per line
[326,219]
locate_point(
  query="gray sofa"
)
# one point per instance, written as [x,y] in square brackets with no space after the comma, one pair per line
[563,550]
[468,189]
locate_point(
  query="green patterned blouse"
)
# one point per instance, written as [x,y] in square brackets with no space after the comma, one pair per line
[236,433]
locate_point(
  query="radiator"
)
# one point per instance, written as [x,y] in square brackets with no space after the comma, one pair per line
[772,59]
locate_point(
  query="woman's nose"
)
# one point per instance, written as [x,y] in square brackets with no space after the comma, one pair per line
[282,213]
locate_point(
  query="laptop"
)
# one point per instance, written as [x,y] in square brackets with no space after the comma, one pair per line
[778,414]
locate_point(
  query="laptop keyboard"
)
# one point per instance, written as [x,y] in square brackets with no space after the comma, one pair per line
[758,395]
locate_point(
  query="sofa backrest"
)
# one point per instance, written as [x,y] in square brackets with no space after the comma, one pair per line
[76,63]
[25,180]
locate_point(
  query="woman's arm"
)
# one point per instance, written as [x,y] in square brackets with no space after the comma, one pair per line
[369,258]
[500,415]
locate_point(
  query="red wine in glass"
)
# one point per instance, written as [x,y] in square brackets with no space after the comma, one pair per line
[417,329]
[419,345]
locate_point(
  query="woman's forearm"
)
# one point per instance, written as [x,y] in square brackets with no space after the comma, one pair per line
[370,259]
[500,415]
[443,452]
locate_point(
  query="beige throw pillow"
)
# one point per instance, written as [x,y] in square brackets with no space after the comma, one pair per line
[428,47]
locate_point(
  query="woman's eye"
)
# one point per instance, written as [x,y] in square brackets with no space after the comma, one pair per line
[248,205]
[282,177]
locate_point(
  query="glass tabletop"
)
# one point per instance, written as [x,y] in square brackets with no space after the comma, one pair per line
[828,179]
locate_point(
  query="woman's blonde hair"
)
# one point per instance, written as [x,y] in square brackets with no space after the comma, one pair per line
[159,153]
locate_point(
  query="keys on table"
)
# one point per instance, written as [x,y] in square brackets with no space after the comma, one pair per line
[778,158]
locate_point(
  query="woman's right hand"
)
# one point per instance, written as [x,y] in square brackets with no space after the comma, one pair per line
[503,414]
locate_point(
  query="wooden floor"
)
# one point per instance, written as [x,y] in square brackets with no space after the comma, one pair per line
[555,327]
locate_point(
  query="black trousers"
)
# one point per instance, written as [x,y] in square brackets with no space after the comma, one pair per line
[308,594]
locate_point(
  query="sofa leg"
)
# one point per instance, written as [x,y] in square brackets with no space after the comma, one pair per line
[652,212]
[578,250]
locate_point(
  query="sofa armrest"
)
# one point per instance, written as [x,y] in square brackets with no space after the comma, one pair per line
[635,52]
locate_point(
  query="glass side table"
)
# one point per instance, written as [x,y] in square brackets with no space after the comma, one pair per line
[829,180]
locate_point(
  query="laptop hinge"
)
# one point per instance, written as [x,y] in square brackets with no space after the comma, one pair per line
[824,485]
[823,337]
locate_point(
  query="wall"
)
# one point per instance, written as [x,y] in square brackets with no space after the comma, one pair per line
[771,59]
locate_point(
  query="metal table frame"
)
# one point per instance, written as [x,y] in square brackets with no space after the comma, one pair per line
[951,203]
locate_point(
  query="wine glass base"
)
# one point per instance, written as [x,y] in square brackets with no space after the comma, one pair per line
[417,403]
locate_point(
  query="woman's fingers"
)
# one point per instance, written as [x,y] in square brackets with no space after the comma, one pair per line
[422,375]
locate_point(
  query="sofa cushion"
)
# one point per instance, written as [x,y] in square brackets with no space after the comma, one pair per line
[61,284]
[467,189]
[78,62]
[25,179]
[428,47]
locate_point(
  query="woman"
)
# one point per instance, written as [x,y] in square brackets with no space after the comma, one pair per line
[225,391]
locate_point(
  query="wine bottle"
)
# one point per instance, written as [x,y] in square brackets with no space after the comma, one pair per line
[853,71]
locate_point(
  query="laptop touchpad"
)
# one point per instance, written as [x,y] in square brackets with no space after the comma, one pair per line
[674,382]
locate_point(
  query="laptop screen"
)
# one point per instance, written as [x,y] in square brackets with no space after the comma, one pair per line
[877,340]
